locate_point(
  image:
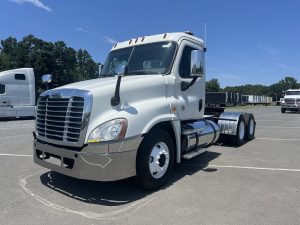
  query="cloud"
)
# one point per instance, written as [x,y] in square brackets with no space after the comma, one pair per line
[109,40]
[94,33]
[36,3]
[80,29]
[271,50]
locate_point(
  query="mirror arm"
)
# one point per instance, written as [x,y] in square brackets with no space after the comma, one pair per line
[186,85]
[115,100]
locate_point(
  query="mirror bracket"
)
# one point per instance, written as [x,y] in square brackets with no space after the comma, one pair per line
[115,100]
[186,85]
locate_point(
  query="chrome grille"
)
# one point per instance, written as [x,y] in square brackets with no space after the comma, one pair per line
[289,100]
[60,119]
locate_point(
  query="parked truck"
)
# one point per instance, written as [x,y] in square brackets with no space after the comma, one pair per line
[141,116]
[17,93]
[291,101]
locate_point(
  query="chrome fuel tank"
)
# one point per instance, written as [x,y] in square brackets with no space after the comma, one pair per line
[199,134]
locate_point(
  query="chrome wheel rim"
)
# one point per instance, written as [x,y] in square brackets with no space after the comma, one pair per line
[251,127]
[242,130]
[159,160]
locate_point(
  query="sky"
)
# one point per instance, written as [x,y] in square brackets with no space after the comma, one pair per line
[248,42]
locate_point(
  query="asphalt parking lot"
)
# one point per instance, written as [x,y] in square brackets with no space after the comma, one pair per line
[257,183]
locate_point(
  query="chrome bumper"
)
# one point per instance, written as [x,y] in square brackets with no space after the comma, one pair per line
[100,162]
[290,106]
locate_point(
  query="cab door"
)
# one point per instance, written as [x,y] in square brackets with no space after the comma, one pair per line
[190,90]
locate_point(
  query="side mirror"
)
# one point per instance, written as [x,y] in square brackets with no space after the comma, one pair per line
[47,78]
[197,63]
[120,70]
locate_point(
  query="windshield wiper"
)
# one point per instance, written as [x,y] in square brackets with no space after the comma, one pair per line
[139,72]
[105,75]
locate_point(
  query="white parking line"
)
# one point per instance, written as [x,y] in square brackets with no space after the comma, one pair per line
[279,139]
[19,135]
[254,168]
[284,121]
[244,167]
[18,155]
[126,211]
[265,115]
[271,127]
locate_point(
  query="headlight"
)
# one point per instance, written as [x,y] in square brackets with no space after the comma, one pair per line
[111,130]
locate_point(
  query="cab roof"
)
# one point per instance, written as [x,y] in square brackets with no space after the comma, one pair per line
[158,38]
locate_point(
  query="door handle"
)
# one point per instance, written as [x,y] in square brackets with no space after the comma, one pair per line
[200,105]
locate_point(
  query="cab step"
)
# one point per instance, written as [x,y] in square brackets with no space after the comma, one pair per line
[194,153]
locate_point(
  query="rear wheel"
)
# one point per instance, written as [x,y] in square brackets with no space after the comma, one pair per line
[155,159]
[283,110]
[250,129]
[239,138]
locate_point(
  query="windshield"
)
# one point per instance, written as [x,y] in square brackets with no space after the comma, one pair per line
[293,93]
[155,58]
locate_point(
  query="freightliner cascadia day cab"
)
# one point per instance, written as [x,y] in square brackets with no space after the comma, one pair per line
[291,101]
[17,93]
[141,116]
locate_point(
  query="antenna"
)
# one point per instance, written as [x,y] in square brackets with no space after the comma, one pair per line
[205,36]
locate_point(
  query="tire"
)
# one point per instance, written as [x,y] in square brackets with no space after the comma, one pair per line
[250,129]
[158,147]
[240,137]
[283,110]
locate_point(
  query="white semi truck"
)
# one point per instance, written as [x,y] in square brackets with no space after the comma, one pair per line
[291,101]
[141,116]
[17,93]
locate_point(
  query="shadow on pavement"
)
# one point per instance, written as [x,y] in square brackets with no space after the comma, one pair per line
[7,119]
[118,192]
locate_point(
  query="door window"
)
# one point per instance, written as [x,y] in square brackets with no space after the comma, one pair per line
[20,77]
[2,89]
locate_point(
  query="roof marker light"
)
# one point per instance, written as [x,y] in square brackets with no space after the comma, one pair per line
[189,32]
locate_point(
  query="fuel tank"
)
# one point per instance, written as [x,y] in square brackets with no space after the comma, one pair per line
[198,134]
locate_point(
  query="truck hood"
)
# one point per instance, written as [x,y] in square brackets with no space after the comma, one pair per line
[142,98]
[91,85]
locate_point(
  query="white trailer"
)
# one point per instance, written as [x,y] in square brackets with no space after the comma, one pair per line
[17,93]
[256,99]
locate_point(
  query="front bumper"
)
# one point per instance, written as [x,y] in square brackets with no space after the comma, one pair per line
[290,106]
[101,162]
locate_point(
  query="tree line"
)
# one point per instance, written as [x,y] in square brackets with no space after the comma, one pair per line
[65,63]
[68,65]
[275,90]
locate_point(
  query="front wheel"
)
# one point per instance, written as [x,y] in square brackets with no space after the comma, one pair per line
[155,159]
[283,110]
